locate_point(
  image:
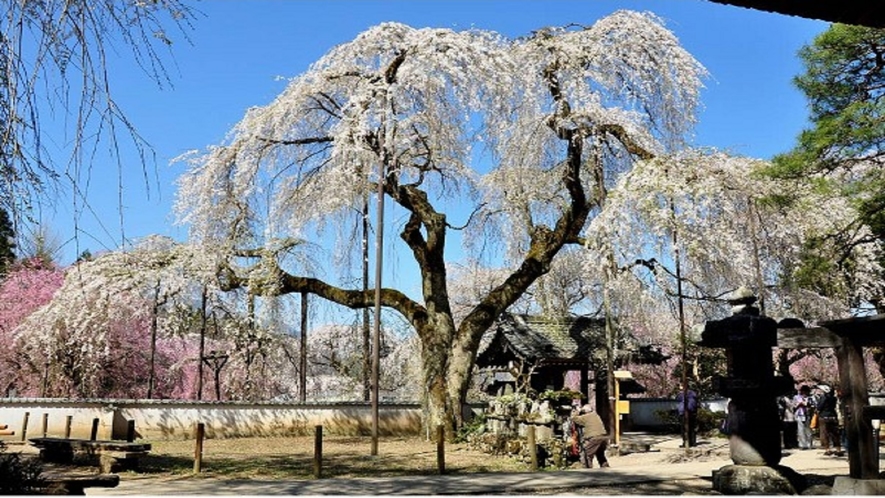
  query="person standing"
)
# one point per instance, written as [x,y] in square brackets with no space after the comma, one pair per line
[828,421]
[594,437]
[802,411]
[840,413]
[690,439]
[788,421]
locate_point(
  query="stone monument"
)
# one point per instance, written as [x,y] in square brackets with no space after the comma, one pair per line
[750,384]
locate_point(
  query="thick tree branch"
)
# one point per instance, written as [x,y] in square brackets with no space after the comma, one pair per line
[298,141]
[354,299]
[626,140]
[429,252]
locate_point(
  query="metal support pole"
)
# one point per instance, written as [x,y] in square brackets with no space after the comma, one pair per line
[617,412]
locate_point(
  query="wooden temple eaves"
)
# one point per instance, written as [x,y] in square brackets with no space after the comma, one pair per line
[869,13]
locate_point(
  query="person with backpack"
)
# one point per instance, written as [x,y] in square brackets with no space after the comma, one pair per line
[828,420]
[593,437]
[691,405]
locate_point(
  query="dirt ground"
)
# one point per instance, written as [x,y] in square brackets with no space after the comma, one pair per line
[348,456]
[344,457]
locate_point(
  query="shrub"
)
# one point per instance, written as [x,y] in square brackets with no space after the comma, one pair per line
[475,426]
[19,476]
[709,422]
[565,396]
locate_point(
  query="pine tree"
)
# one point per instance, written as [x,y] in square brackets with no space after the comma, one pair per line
[844,149]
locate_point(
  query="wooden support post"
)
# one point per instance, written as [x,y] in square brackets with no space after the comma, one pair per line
[94,434]
[25,426]
[441,449]
[198,447]
[585,385]
[617,430]
[533,447]
[318,452]
[68,421]
[130,431]
[45,424]
[862,462]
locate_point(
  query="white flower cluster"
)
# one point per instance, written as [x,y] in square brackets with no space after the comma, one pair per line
[395,98]
[115,289]
[621,84]
[729,225]
[466,116]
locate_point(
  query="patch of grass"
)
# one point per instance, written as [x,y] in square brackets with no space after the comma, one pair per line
[292,458]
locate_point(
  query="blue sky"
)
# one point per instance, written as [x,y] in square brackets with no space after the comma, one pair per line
[239,49]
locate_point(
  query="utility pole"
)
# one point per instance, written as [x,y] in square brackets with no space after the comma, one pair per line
[302,378]
[686,425]
[366,328]
[376,343]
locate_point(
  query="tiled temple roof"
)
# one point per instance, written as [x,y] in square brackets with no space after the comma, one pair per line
[545,340]
[531,338]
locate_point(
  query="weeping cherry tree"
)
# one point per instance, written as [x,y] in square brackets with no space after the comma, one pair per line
[148,289]
[727,225]
[557,114]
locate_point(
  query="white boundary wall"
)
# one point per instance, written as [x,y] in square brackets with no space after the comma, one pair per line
[173,419]
[644,412]
[177,419]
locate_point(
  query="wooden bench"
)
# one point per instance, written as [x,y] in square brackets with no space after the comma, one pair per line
[76,484]
[114,456]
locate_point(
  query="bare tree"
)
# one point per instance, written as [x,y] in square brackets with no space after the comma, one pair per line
[54,61]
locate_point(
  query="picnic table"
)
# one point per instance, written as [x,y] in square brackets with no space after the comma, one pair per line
[113,455]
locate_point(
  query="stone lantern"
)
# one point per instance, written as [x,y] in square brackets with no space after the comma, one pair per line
[753,420]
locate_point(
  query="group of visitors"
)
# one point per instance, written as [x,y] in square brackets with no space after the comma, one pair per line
[808,410]
[802,413]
